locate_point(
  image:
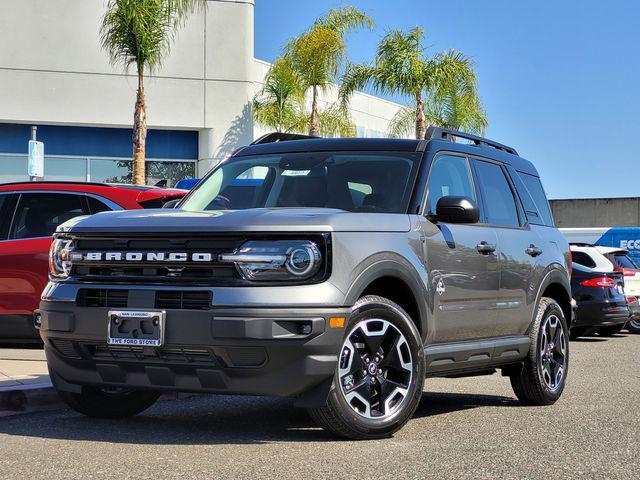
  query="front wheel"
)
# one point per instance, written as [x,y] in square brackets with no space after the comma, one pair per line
[109,402]
[544,373]
[378,381]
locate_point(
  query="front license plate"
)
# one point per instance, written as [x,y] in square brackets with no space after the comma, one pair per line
[136,328]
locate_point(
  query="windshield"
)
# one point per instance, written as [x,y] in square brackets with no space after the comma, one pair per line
[353,181]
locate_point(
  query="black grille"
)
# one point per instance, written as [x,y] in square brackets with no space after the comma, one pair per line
[183,300]
[149,269]
[103,298]
[65,348]
[143,271]
[164,299]
[175,354]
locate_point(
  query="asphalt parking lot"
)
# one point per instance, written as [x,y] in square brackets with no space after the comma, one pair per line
[463,428]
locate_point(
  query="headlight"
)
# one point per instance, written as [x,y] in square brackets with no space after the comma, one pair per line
[60,258]
[281,260]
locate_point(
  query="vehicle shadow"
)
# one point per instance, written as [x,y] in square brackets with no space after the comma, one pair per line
[438,403]
[211,420]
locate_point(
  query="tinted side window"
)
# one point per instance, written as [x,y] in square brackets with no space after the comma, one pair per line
[450,175]
[539,197]
[499,202]
[583,259]
[39,214]
[96,206]
[7,204]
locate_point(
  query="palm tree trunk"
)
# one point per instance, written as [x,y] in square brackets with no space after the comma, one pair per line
[314,124]
[421,127]
[139,132]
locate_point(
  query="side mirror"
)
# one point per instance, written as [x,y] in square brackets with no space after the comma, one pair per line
[457,209]
[171,203]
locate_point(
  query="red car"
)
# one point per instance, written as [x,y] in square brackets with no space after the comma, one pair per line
[29,214]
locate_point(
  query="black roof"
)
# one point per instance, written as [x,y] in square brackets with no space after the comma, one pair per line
[331,144]
[488,150]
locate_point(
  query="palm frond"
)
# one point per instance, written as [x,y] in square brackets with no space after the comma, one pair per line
[142,31]
[280,103]
[403,123]
[355,77]
[345,20]
[334,121]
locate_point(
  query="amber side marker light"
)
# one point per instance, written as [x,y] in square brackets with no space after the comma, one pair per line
[336,322]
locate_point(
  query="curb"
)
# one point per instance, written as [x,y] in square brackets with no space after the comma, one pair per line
[28,398]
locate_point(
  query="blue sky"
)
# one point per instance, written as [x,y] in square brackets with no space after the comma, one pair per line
[559,80]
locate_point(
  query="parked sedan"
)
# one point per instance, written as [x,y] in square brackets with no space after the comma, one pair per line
[601,303]
[609,259]
[29,214]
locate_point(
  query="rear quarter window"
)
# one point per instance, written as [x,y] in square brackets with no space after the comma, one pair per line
[583,259]
[534,187]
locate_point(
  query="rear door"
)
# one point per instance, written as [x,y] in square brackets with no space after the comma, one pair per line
[519,248]
[24,254]
[463,280]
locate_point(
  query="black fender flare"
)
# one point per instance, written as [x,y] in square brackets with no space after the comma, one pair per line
[392,265]
[553,274]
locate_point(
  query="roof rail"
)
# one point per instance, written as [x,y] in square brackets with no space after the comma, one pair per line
[581,244]
[280,137]
[438,133]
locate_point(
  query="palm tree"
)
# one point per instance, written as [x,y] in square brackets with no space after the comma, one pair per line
[140,33]
[452,109]
[401,68]
[280,105]
[319,53]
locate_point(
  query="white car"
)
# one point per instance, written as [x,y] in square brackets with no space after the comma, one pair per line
[611,259]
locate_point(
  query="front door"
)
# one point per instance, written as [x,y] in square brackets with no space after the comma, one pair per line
[461,260]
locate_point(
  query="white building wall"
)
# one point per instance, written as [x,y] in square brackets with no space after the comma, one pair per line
[53,71]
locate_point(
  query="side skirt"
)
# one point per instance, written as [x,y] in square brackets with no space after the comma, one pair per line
[447,359]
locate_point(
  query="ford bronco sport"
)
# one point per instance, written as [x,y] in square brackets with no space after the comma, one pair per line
[341,272]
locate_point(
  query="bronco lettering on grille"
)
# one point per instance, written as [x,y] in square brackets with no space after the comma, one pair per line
[147,257]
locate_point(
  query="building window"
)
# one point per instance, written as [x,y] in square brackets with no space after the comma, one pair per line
[13,168]
[65,169]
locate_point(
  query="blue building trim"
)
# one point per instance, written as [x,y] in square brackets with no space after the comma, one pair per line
[99,142]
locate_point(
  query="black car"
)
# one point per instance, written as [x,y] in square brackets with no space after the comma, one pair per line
[602,306]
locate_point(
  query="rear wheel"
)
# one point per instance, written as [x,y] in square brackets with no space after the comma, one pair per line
[379,376]
[109,402]
[610,330]
[633,326]
[544,373]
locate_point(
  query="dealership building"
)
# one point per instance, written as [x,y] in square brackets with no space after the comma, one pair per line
[54,75]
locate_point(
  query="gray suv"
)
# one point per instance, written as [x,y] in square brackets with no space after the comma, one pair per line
[340,272]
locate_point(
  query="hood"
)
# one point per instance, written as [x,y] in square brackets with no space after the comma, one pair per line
[251,220]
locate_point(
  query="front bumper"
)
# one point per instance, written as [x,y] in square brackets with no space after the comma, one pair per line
[257,351]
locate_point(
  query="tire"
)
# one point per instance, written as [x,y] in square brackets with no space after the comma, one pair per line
[380,373]
[102,403]
[633,326]
[540,381]
[609,331]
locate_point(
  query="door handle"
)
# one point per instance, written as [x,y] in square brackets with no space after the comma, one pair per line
[533,250]
[485,248]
